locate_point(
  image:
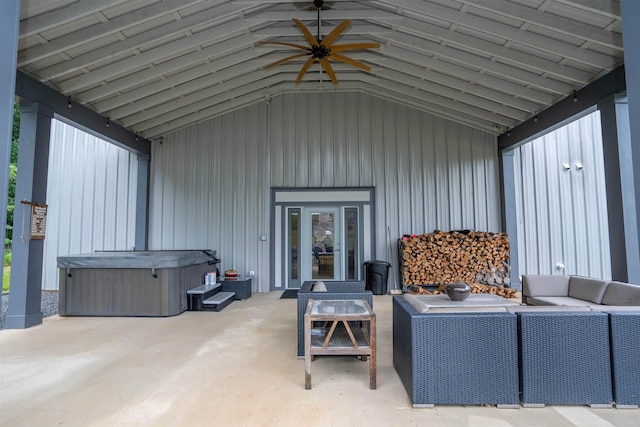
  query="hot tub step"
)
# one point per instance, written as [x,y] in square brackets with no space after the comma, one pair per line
[218,301]
[197,295]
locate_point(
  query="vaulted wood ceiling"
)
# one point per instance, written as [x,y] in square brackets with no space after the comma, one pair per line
[155,66]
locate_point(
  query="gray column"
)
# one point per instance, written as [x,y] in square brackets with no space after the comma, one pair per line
[621,195]
[509,215]
[142,204]
[630,11]
[9,27]
[31,185]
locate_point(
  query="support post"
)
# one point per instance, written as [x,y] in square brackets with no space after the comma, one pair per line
[621,193]
[27,255]
[509,213]
[142,204]
[630,12]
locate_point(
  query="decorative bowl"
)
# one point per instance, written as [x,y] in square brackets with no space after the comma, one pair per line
[458,291]
[230,273]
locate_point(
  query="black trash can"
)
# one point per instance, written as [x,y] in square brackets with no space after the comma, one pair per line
[376,275]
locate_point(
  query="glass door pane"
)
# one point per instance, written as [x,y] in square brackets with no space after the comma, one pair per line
[293,228]
[322,229]
[351,239]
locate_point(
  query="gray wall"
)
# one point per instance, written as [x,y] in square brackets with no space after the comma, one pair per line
[210,184]
[562,213]
[91,193]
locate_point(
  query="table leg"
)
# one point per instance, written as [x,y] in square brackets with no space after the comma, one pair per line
[307,352]
[372,348]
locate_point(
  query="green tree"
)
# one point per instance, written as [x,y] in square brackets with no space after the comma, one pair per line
[13,170]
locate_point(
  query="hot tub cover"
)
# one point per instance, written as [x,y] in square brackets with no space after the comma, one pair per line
[138,259]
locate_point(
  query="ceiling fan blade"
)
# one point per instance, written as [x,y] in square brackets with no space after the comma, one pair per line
[350,61]
[327,67]
[288,58]
[307,34]
[304,69]
[297,46]
[354,46]
[336,32]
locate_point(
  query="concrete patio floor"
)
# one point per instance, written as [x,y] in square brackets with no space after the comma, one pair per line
[237,367]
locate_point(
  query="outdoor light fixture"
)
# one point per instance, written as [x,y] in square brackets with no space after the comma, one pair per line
[69,102]
[535,118]
[575,98]
[108,122]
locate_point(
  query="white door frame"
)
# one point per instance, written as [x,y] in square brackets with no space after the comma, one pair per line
[362,198]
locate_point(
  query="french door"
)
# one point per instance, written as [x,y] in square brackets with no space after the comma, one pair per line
[320,234]
[323,244]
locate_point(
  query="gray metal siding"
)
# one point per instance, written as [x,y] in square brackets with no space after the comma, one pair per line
[562,212]
[91,193]
[211,182]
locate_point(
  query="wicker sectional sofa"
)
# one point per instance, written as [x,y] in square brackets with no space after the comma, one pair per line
[578,290]
[529,355]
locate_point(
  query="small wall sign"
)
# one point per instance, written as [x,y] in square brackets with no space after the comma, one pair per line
[38,226]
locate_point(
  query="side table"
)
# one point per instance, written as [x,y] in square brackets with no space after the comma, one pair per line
[346,340]
[240,285]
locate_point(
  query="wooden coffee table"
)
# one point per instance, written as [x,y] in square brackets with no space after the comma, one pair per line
[330,339]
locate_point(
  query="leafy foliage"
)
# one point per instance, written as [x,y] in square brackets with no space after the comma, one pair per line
[15,134]
[13,170]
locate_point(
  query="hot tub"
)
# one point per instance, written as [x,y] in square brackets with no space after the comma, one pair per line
[131,283]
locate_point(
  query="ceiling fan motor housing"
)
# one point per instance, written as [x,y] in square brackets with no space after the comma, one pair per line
[320,51]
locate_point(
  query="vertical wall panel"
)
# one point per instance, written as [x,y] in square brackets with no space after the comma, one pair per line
[91,193]
[338,172]
[410,160]
[365,165]
[352,143]
[562,208]
[428,173]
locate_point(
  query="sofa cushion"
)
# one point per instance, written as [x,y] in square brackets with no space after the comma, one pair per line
[587,289]
[416,303]
[564,301]
[420,307]
[545,285]
[466,309]
[616,308]
[546,308]
[619,293]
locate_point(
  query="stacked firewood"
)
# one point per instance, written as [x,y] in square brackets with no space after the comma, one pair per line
[446,257]
[476,288]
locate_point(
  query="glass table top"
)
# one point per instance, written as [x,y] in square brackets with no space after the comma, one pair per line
[339,307]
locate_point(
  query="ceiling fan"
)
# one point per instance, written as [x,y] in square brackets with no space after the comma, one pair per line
[322,50]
